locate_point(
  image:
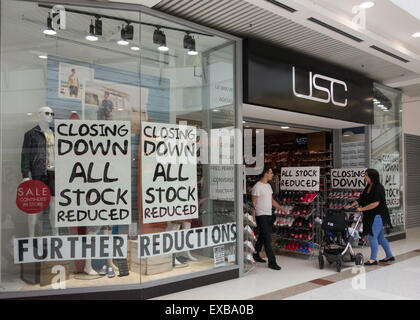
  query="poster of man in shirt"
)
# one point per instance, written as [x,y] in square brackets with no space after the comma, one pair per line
[71,80]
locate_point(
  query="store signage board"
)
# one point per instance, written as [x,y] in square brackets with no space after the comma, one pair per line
[64,248]
[92,173]
[169,172]
[348,178]
[156,244]
[391,179]
[300,178]
[287,80]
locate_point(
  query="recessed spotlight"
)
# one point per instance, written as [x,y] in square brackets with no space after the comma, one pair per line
[123,42]
[285,127]
[43,56]
[135,48]
[192,53]
[416,35]
[367,4]
[29,113]
[215,110]
[163,48]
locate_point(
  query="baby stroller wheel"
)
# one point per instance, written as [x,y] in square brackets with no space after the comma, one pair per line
[359,259]
[339,266]
[321,261]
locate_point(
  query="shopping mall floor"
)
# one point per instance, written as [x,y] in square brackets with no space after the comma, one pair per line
[301,278]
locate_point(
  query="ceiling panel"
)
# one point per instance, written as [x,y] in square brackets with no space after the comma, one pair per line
[243,19]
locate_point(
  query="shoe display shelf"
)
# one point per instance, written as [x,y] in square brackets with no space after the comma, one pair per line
[296,231]
[249,237]
[337,199]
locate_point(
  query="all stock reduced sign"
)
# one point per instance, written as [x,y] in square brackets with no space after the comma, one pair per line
[300,178]
[93,173]
[169,172]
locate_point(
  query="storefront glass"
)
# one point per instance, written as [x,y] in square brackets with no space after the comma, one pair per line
[86,132]
[386,150]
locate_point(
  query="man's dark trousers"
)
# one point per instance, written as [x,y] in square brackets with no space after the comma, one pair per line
[265,224]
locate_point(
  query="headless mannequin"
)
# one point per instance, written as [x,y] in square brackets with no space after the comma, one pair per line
[44,122]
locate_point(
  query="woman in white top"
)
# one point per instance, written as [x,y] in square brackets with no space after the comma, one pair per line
[262,198]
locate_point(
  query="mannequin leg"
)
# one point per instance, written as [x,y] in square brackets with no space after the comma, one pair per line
[172,227]
[187,225]
[110,263]
[88,262]
[54,230]
[32,221]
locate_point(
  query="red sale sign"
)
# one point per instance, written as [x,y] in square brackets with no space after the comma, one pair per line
[33,196]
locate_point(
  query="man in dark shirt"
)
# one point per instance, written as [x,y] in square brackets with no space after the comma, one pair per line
[107,107]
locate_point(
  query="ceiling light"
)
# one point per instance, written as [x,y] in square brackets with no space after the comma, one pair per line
[416,35]
[285,127]
[215,110]
[49,30]
[123,42]
[135,48]
[189,43]
[43,56]
[92,35]
[367,4]
[160,39]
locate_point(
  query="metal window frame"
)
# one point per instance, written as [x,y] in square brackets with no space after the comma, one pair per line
[239,168]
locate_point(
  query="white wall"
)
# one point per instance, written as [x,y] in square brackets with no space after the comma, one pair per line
[411,115]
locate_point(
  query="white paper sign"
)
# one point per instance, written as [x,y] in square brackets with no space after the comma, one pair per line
[299,178]
[92,173]
[348,178]
[219,256]
[391,179]
[157,244]
[169,172]
[63,248]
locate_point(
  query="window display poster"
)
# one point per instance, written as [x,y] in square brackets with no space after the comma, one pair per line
[348,178]
[353,154]
[169,172]
[391,179]
[93,173]
[219,256]
[72,79]
[300,178]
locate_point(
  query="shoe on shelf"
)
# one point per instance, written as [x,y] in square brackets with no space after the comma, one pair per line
[274,266]
[258,258]
[387,259]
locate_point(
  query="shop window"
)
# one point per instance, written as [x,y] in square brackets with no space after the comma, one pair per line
[76,180]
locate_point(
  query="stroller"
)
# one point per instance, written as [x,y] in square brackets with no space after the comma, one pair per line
[337,240]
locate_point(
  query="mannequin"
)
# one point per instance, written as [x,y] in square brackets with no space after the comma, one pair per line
[38,162]
[177,226]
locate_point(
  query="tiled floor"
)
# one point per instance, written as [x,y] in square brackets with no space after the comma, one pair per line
[301,278]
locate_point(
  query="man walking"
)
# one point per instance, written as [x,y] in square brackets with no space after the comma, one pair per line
[262,198]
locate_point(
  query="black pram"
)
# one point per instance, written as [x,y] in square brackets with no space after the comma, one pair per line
[337,240]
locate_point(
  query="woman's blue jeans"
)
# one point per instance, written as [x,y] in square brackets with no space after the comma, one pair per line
[378,238]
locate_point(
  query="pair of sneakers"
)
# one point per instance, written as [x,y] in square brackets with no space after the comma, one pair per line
[107,271]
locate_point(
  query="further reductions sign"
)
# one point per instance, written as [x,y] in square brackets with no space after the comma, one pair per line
[391,179]
[63,248]
[169,172]
[299,178]
[156,244]
[348,178]
[93,173]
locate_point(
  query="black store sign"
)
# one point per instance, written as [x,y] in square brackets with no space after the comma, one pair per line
[276,78]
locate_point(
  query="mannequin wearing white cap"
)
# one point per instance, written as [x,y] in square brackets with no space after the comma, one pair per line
[38,161]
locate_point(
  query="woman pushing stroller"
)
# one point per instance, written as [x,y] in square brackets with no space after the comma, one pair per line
[375,216]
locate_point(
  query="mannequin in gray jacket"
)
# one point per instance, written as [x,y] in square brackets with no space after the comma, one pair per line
[38,162]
